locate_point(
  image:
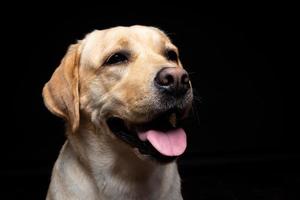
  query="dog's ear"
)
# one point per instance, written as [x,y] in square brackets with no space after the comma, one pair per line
[60,93]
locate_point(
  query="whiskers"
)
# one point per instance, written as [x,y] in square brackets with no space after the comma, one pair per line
[195,106]
[197,100]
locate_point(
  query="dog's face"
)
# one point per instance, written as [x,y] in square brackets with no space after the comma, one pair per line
[128,80]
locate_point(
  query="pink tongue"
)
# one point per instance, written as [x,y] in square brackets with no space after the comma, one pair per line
[170,143]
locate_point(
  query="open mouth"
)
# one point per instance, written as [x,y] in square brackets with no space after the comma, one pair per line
[162,138]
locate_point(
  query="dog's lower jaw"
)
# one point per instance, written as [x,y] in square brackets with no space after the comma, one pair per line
[107,168]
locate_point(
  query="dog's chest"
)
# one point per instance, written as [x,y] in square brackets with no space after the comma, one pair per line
[157,187]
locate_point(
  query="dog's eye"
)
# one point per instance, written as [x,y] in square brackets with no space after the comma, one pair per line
[117,58]
[171,55]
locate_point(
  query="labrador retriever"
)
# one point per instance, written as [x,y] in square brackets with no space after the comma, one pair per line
[123,94]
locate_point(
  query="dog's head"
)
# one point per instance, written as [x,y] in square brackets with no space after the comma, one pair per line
[129,82]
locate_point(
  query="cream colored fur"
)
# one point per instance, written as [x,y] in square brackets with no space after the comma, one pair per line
[93,163]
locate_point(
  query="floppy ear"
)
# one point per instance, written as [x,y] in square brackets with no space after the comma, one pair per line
[61,92]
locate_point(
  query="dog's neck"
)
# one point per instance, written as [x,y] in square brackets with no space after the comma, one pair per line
[111,163]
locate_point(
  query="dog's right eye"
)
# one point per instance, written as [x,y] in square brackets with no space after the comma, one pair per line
[117,58]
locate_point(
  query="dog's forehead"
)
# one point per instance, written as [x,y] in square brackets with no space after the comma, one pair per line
[101,42]
[133,33]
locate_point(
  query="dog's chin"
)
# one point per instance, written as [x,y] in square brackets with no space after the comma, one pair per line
[161,139]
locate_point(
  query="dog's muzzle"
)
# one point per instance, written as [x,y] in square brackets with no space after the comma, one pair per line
[162,136]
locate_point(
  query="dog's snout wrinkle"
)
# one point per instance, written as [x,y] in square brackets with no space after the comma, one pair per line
[172,80]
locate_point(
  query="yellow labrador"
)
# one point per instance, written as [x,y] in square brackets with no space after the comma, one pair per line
[123,93]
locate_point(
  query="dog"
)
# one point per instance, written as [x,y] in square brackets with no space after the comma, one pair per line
[123,94]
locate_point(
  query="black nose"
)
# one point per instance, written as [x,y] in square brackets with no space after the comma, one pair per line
[172,80]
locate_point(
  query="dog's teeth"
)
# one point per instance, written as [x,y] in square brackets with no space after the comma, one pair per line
[173,119]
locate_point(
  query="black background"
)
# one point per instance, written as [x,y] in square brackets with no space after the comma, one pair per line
[238,147]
